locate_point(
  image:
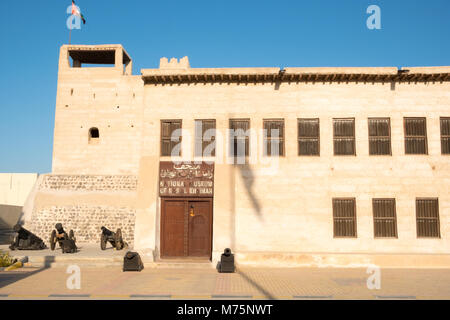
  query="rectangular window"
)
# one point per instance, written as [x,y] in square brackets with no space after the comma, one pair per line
[384,218]
[344,136]
[205,138]
[427,215]
[239,140]
[379,136]
[308,137]
[415,136]
[344,217]
[167,129]
[273,137]
[445,135]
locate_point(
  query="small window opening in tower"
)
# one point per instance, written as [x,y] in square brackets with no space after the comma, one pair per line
[94,135]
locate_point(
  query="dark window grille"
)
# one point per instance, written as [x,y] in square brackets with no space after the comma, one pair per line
[427,215]
[344,136]
[384,218]
[273,139]
[308,137]
[167,145]
[201,127]
[415,136]
[344,217]
[445,135]
[239,136]
[379,136]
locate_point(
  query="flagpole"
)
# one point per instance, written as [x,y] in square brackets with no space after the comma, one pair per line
[70,34]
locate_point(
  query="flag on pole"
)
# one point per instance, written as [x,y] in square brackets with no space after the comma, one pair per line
[77,12]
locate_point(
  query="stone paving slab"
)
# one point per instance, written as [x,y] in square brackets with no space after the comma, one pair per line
[246,283]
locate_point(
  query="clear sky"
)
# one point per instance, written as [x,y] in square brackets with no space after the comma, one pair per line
[213,33]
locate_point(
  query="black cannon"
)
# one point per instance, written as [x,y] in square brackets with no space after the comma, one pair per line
[226,263]
[66,241]
[26,240]
[114,238]
[132,262]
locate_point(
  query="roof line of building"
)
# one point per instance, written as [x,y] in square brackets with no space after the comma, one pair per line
[375,74]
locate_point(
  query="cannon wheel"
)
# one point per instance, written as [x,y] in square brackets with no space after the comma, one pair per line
[53,240]
[118,239]
[72,236]
[103,242]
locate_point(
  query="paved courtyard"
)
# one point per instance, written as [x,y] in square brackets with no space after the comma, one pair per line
[206,283]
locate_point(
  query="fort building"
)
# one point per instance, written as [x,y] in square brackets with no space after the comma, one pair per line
[178,157]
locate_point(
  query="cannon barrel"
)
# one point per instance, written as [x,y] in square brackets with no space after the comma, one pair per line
[26,240]
[106,231]
[59,228]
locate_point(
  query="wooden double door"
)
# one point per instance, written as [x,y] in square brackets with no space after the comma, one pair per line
[186,228]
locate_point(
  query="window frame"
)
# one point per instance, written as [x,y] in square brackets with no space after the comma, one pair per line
[266,137]
[354,136]
[180,121]
[443,137]
[197,139]
[428,218]
[425,137]
[246,138]
[299,120]
[394,218]
[375,137]
[355,236]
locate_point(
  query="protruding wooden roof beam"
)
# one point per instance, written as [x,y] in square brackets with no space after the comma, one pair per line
[420,75]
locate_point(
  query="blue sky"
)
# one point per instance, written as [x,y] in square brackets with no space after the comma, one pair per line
[212,33]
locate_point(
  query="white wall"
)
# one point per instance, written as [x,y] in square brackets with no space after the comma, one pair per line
[15,187]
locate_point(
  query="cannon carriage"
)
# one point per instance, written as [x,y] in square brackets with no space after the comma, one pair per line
[26,240]
[65,240]
[114,238]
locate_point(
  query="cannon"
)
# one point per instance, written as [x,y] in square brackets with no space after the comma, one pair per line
[132,262]
[26,240]
[114,238]
[66,241]
[226,263]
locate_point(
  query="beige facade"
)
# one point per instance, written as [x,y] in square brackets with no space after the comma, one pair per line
[276,209]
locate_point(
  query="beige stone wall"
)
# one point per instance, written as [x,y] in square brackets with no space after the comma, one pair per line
[287,209]
[291,210]
[101,97]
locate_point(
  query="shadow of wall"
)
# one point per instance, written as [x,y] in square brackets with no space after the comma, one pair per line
[9,215]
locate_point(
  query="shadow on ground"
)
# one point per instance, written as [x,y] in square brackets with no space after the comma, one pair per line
[257,286]
[9,277]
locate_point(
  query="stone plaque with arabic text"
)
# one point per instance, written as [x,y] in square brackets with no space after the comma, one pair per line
[186,179]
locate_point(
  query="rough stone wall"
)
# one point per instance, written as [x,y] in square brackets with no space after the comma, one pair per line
[85,221]
[89,182]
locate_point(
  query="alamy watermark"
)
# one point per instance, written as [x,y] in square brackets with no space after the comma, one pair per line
[74,280]
[374,280]
[374,20]
[235,147]
[75,18]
